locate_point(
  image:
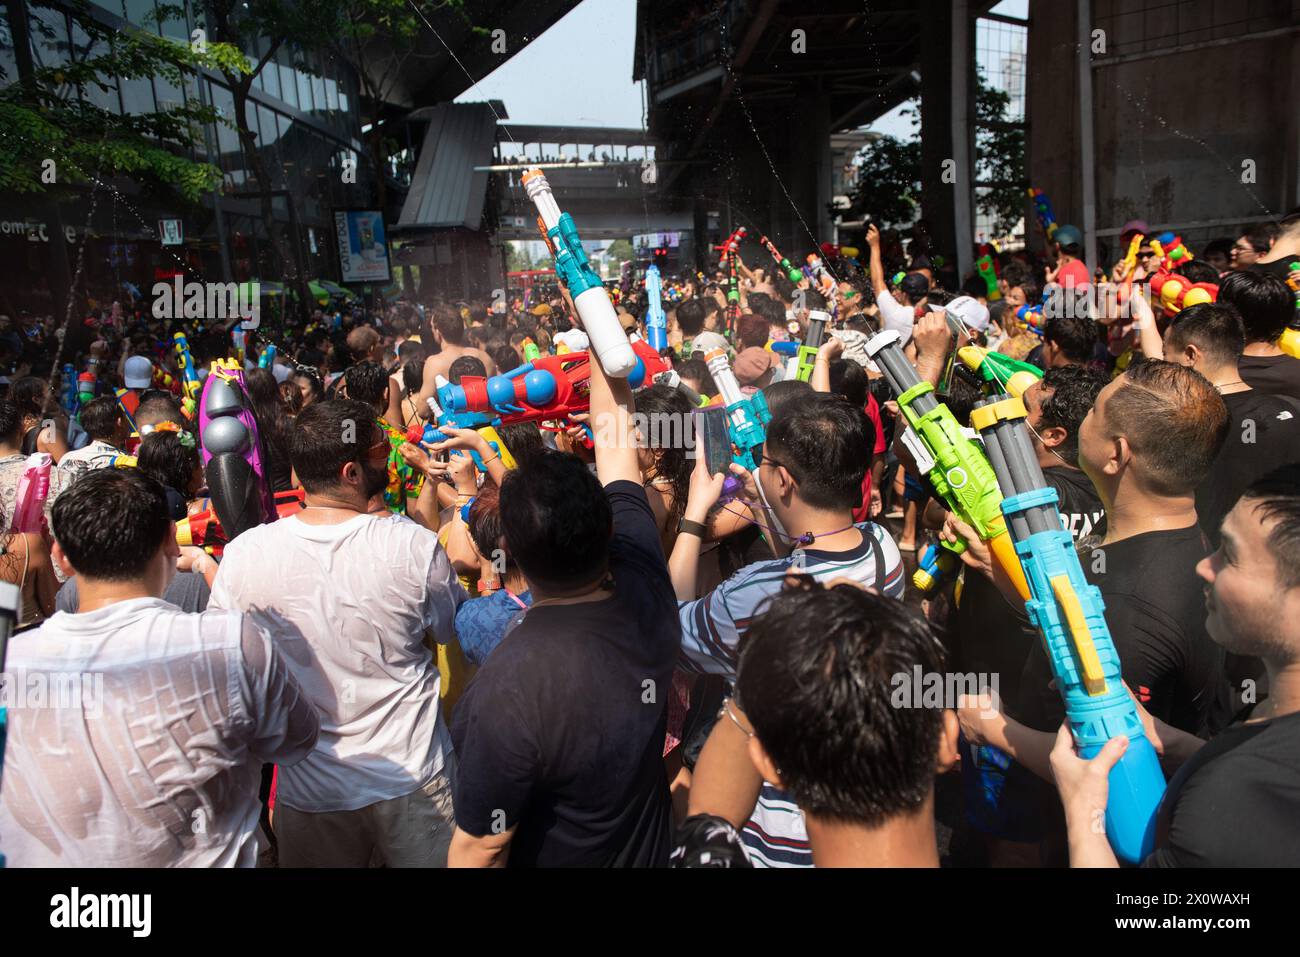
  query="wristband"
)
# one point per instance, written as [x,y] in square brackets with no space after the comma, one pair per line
[687,527]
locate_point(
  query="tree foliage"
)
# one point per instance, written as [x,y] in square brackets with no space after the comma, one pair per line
[47,114]
[889,184]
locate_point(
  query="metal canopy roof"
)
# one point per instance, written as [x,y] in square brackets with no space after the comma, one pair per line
[445,189]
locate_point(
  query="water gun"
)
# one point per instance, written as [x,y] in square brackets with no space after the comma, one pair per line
[656,323]
[786,348]
[987,267]
[267,358]
[1131,256]
[231,451]
[121,404]
[1175,293]
[190,383]
[1000,373]
[1171,249]
[955,465]
[531,350]
[68,393]
[1068,612]
[203,529]
[1290,339]
[10,601]
[605,332]
[430,434]
[1043,209]
[791,273]
[836,251]
[812,341]
[728,252]
[85,388]
[544,390]
[1031,314]
[33,490]
[820,274]
[675,381]
[162,379]
[747,418]
[123,462]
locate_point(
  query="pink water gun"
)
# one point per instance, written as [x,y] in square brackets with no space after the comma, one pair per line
[33,490]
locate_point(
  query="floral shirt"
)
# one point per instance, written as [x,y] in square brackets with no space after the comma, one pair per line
[404,482]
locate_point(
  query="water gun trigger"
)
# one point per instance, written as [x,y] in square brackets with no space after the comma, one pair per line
[1090,671]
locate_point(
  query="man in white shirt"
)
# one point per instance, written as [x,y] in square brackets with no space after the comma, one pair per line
[352,590]
[103,421]
[137,732]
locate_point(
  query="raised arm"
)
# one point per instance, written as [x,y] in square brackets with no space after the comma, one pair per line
[611,424]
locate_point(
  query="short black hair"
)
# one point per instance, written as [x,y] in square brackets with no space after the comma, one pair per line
[1198,270]
[319,445]
[691,314]
[1259,236]
[818,677]
[825,443]
[1074,391]
[466,365]
[101,417]
[1075,336]
[557,520]
[367,382]
[778,394]
[449,324]
[1213,327]
[1265,303]
[10,418]
[159,407]
[111,523]
[1277,496]
[850,380]
[698,370]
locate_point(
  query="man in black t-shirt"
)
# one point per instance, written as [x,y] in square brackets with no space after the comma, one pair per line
[1147,443]
[560,735]
[1266,305]
[1233,800]
[1263,430]
[990,635]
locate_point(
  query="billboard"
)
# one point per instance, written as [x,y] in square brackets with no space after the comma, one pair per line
[363,246]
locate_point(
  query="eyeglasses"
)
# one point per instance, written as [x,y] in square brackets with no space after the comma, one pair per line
[379,450]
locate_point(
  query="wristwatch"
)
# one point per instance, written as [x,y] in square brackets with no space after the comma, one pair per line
[687,527]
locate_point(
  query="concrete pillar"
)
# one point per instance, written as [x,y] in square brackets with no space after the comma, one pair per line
[937,206]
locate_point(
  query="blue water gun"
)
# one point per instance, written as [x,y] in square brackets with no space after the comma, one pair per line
[1068,612]
[431,435]
[69,393]
[747,418]
[1043,209]
[267,358]
[656,323]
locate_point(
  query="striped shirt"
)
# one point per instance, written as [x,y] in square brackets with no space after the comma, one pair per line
[712,625]
[775,834]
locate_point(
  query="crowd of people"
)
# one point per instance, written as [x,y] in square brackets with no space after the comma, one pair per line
[572,643]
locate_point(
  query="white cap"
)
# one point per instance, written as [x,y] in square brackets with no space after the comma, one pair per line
[138,372]
[575,339]
[969,311]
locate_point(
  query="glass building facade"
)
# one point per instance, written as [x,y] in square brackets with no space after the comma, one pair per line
[306,129]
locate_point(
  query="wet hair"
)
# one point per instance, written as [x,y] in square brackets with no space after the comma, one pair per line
[817,679]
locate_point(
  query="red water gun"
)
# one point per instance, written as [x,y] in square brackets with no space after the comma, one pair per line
[203,529]
[1175,293]
[728,252]
[162,379]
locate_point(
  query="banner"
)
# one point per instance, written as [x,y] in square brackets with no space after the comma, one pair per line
[363,246]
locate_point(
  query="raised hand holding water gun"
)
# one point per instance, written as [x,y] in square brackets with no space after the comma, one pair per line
[1068,612]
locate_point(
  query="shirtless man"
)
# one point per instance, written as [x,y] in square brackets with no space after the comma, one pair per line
[449,333]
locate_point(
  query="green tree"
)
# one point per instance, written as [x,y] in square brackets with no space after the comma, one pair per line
[49,112]
[384,39]
[619,251]
[889,185]
[517,258]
